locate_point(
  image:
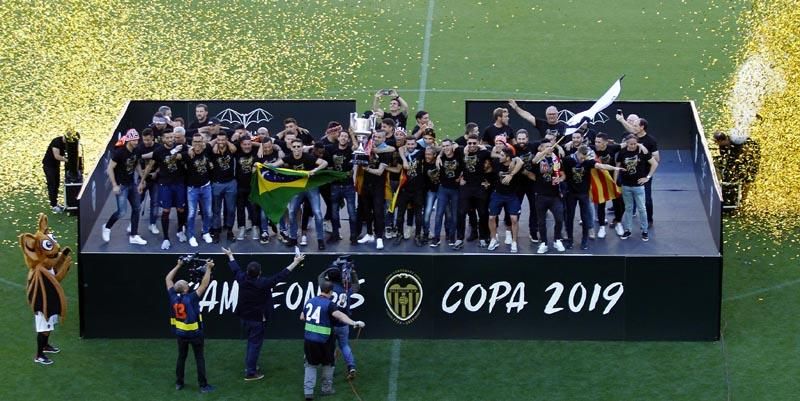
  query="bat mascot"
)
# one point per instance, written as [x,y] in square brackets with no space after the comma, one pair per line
[48,264]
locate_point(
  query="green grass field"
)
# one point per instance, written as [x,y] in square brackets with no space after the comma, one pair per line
[476,49]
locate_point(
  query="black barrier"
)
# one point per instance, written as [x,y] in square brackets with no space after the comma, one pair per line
[433,296]
[707,180]
[670,123]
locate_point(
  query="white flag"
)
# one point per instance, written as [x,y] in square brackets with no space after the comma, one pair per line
[609,97]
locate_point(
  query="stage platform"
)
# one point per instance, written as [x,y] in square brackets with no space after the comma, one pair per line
[680,228]
[666,289]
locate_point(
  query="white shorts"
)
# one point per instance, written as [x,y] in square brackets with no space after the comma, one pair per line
[43,324]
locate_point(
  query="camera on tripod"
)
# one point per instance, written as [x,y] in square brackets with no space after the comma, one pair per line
[195,266]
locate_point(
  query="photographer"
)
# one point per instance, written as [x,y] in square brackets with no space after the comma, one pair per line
[319,314]
[342,274]
[187,322]
[255,304]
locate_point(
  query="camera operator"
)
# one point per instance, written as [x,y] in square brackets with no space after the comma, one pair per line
[255,305]
[187,322]
[342,274]
[319,314]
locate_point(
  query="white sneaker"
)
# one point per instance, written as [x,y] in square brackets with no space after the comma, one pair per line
[407,232]
[165,245]
[154,229]
[256,233]
[482,243]
[591,233]
[508,240]
[601,232]
[514,247]
[128,229]
[388,233]
[240,235]
[379,243]
[136,240]
[193,242]
[304,240]
[619,230]
[493,244]
[366,238]
[326,226]
[181,236]
[207,238]
[542,248]
[58,209]
[559,246]
[106,234]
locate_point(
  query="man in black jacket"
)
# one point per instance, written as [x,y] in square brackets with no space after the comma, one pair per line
[255,304]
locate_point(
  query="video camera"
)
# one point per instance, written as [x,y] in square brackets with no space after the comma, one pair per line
[344,264]
[195,265]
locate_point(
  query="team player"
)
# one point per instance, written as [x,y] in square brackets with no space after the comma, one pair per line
[319,314]
[168,159]
[198,187]
[639,168]
[504,195]
[121,169]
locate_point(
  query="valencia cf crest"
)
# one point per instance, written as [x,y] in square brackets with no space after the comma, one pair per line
[403,296]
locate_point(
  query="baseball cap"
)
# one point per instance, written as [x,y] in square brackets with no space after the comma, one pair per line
[130,135]
[213,121]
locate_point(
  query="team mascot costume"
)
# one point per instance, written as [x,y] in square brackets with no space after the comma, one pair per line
[48,264]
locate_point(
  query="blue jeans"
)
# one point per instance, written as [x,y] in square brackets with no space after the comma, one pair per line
[294,204]
[581,200]
[447,199]
[128,193]
[255,338]
[339,193]
[430,199]
[201,196]
[343,338]
[152,189]
[223,191]
[629,195]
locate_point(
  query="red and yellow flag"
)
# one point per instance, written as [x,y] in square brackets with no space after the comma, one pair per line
[602,187]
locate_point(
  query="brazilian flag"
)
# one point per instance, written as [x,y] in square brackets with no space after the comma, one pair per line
[273,187]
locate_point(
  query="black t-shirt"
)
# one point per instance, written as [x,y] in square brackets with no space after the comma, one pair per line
[649,143]
[607,155]
[171,169]
[283,145]
[490,132]
[499,171]
[269,158]
[636,164]
[50,160]
[224,166]
[244,166]
[400,120]
[545,172]
[375,161]
[126,165]
[474,171]
[142,150]
[391,141]
[558,129]
[577,174]
[525,154]
[306,138]
[462,142]
[306,162]
[340,160]
[450,171]
[397,160]
[195,125]
[327,142]
[198,169]
[430,174]
[414,172]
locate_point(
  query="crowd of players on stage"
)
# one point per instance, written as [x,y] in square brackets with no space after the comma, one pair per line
[204,170]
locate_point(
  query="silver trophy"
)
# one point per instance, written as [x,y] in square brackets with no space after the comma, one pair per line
[363,128]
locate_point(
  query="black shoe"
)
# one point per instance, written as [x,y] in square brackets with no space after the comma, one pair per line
[321,245]
[418,241]
[207,388]
[229,236]
[473,235]
[334,237]
[398,240]
[291,242]
[264,237]
[645,238]
[351,373]
[353,241]
[49,349]
[435,242]
[178,387]
[215,236]
[568,243]
[625,235]
[257,376]
[584,243]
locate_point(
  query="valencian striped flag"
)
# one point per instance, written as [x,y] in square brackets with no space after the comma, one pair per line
[602,187]
[273,187]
